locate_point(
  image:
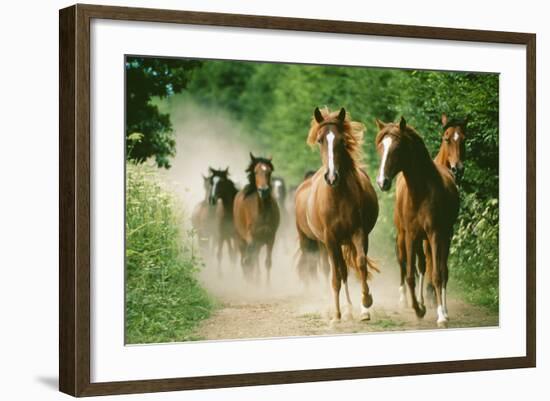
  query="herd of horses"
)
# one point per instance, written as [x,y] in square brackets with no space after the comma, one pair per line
[336,208]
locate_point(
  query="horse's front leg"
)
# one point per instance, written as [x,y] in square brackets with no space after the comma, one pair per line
[361,244]
[401,254]
[440,253]
[337,265]
[428,276]
[411,246]
[421,271]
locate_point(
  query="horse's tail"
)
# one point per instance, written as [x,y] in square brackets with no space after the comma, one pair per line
[352,262]
[373,265]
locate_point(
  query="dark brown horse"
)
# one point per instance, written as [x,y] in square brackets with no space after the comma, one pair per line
[337,207]
[256,216]
[222,196]
[426,208]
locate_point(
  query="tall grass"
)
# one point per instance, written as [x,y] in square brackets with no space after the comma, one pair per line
[164,300]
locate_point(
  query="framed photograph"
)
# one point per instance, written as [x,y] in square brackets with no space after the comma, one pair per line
[249,200]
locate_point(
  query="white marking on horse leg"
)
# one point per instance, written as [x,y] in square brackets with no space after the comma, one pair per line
[386,143]
[330,140]
[444,301]
[441,319]
[365,313]
[421,289]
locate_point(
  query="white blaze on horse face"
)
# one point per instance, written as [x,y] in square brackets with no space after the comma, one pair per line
[215,181]
[456,136]
[386,144]
[330,141]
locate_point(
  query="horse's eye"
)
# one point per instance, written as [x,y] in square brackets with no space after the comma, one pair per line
[320,140]
[447,140]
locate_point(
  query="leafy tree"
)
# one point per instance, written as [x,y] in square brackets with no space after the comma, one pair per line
[147,78]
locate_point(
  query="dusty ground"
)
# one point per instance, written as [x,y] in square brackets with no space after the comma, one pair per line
[287,308]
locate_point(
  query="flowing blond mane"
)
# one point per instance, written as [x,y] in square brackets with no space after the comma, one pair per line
[353,134]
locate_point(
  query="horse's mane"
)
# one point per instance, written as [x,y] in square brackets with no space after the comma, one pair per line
[353,134]
[250,187]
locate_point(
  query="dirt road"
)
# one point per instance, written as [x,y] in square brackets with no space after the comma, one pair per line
[287,308]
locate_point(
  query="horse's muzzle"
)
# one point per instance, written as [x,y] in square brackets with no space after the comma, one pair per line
[384,184]
[332,181]
[264,192]
[458,173]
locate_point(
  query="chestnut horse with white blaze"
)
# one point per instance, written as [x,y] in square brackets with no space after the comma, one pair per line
[337,207]
[426,208]
[451,155]
[256,216]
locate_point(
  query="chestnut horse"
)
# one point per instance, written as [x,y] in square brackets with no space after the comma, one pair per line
[451,155]
[222,196]
[256,216]
[426,208]
[337,207]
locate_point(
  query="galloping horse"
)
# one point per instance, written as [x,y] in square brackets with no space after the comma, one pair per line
[426,207]
[256,216]
[203,216]
[222,196]
[451,155]
[337,207]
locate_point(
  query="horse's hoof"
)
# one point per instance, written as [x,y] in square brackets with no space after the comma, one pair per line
[368,301]
[334,322]
[348,314]
[442,320]
[420,311]
[365,316]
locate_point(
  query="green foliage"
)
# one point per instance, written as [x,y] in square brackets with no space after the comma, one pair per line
[164,300]
[474,251]
[147,78]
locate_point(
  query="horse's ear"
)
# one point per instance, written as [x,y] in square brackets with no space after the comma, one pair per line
[252,157]
[380,125]
[402,124]
[226,170]
[211,170]
[318,116]
[342,115]
[444,119]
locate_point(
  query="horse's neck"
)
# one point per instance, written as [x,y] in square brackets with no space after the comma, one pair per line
[420,174]
[227,201]
[441,157]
